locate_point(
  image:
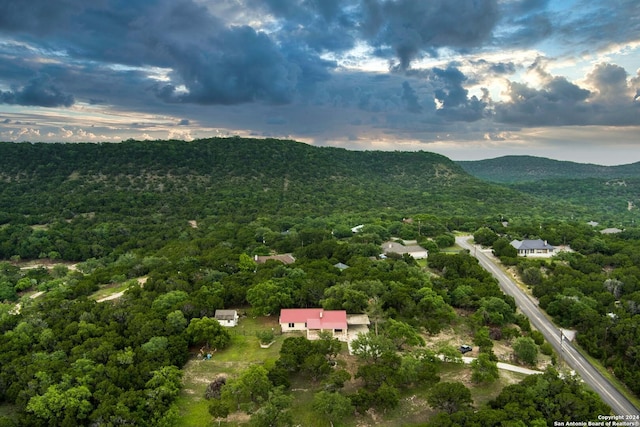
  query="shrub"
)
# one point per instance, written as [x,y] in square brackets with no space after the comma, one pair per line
[546,349]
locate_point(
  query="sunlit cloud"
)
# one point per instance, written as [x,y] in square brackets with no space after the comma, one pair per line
[468,78]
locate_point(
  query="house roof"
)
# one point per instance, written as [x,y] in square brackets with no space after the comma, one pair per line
[611,231]
[390,246]
[283,258]
[358,319]
[531,244]
[341,266]
[225,314]
[315,318]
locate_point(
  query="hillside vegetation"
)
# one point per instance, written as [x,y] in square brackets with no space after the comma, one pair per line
[170,230]
[268,176]
[511,169]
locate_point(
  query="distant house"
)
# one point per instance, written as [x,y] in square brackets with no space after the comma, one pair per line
[537,247]
[611,231]
[283,258]
[341,266]
[416,251]
[357,228]
[227,318]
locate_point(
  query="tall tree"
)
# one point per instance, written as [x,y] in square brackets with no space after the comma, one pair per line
[450,397]
[208,332]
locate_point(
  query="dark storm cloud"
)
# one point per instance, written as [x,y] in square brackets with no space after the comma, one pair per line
[453,97]
[411,27]
[321,25]
[558,103]
[215,62]
[410,98]
[38,92]
[40,17]
[524,23]
[246,67]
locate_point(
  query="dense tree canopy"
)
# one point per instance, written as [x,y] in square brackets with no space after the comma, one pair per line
[176,227]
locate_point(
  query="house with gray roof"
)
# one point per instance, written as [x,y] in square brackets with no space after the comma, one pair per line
[416,251]
[536,247]
[227,318]
[612,230]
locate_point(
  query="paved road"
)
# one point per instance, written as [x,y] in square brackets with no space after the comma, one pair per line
[620,405]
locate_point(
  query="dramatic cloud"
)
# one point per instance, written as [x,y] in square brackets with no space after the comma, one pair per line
[560,102]
[39,91]
[416,73]
[413,27]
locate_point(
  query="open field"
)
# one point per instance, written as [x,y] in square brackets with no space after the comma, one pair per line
[245,351]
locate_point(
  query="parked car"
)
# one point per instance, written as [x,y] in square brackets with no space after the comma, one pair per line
[465,349]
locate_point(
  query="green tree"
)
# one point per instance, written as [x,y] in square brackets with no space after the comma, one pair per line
[435,311]
[418,368]
[484,370]
[502,248]
[275,411]
[176,322]
[495,311]
[316,367]
[526,350]
[370,347]
[332,406]
[161,390]
[208,332]
[402,334]
[171,300]
[532,276]
[482,338]
[450,397]
[218,409]
[485,236]
[344,297]
[58,405]
[246,263]
[336,379]
[269,297]
[445,240]
[249,389]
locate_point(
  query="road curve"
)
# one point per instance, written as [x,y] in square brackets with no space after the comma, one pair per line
[620,405]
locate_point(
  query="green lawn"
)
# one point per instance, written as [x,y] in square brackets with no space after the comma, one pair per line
[245,350]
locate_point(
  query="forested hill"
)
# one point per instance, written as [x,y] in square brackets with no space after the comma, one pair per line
[235,176]
[512,169]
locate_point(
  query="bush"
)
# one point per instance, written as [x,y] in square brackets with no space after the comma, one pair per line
[537,337]
[509,333]
[266,336]
[526,350]
[546,349]
[523,321]
[214,388]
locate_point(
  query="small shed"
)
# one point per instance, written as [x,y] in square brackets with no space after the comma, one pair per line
[227,318]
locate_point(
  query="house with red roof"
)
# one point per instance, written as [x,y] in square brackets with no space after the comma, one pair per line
[314,320]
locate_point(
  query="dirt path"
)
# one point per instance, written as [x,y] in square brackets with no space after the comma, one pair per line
[141,281]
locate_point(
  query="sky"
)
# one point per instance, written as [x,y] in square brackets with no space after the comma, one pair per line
[469,79]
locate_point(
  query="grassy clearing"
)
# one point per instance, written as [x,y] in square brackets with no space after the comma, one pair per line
[108,290]
[245,350]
